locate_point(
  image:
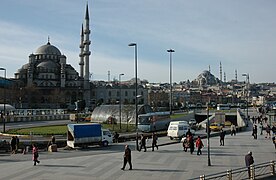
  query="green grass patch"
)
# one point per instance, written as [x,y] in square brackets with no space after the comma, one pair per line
[42,130]
[174,116]
[62,129]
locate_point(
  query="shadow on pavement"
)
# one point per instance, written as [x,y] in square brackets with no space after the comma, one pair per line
[161,170]
[56,165]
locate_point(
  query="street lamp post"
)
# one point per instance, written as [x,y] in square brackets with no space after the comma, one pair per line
[208,135]
[170,51]
[120,103]
[247,95]
[136,93]
[4,115]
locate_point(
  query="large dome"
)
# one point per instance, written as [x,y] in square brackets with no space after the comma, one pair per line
[207,78]
[48,49]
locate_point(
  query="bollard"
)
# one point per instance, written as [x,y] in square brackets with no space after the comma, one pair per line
[272,168]
[252,172]
[202,177]
[229,174]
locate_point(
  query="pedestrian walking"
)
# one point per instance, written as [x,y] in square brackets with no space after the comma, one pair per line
[267,130]
[13,144]
[185,143]
[53,139]
[274,141]
[273,129]
[233,129]
[222,136]
[254,131]
[16,143]
[192,145]
[261,128]
[35,155]
[143,143]
[248,161]
[116,137]
[199,145]
[127,158]
[154,141]
[189,133]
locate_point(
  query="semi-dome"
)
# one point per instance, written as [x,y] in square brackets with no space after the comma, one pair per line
[47,65]
[48,49]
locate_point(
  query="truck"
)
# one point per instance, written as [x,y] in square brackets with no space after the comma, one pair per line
[83,135]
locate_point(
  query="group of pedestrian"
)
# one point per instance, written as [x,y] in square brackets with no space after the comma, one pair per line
[143,142]
[188,142]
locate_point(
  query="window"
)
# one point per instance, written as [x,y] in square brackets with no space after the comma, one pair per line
[109,93]
[126,94]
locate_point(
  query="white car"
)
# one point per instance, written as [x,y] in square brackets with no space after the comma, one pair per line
[192,122]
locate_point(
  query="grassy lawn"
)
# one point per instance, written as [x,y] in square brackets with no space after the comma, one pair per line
[174,116]
[62,129]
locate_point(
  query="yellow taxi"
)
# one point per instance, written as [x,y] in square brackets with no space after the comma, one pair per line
[228,123]
[216,127]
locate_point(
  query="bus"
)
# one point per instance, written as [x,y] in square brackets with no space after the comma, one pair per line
[223,107]
[154,121]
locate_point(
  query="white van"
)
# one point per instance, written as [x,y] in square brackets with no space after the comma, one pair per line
[177,129]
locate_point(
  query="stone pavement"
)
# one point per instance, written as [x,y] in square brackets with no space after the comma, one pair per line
[169,162]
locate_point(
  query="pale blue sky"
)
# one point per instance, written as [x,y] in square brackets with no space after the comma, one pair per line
[239,33]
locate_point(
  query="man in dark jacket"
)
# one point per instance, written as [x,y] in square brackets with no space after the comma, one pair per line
[154,141]
[222,135]
[143,143]
[248,161]
[127,158]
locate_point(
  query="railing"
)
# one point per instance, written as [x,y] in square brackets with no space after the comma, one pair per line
[254,171]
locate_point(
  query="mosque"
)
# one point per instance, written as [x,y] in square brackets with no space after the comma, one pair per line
[50,80]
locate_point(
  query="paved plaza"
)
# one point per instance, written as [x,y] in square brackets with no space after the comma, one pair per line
[169,162]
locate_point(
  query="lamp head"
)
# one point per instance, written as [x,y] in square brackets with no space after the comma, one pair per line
[170,50]
[132,44]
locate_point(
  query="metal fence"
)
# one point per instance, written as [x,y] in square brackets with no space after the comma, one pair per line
[257,171]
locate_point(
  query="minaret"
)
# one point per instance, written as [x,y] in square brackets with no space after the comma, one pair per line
[30,75]
[220,71]
[62,70]
[81,52]
[86,52]
[236,75]
[225,77]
